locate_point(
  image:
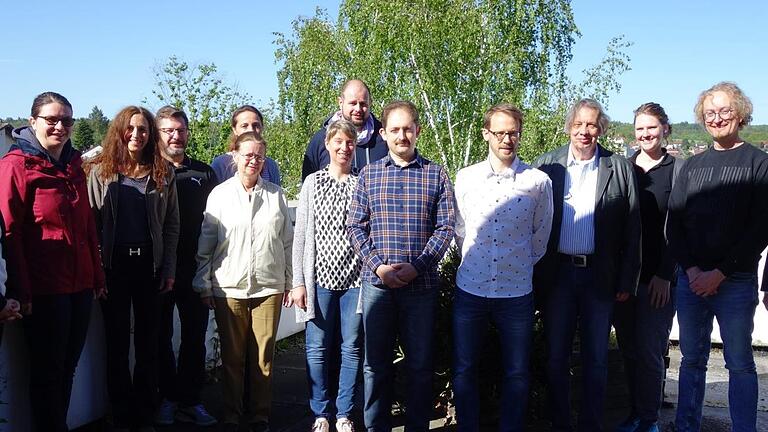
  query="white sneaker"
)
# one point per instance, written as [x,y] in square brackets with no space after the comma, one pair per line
[344,425]
[165,414]
[321,425]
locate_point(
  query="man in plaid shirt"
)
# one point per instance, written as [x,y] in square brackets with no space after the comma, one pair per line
[401,223]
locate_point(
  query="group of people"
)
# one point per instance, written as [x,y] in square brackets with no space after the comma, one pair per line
[587,237]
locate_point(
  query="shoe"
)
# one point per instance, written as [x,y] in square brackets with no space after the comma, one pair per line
[646,426]
[164,414]
[344,424]
[628,425]
[195,414]
[321,425]
[259,426]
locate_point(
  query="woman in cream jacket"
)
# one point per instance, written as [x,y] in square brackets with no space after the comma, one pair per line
[243,269]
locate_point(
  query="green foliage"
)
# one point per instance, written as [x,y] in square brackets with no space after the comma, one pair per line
[99,124]
[82,137]
[207,100]
[453,58]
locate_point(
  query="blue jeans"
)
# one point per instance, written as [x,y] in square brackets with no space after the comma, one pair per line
[513,317]
[334,310]
[734,307]
[642,332]
[409,314]
[574,298]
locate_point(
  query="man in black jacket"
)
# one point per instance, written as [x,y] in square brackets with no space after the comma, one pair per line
[592,260]
[180,384]
[354,105]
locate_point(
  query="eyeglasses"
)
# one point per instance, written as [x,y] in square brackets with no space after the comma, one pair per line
[513,135]
[53,121]
[252,156]
[724,114]
[171,131]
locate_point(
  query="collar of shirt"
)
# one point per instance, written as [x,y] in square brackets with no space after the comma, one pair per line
[589,163]
[417,161]
[507,173]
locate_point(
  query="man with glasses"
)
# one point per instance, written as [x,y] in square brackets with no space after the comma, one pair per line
[180,382]
[504,217]
[716,231]
[592,260]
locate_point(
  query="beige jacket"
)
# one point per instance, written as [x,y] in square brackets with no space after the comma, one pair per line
[244,249]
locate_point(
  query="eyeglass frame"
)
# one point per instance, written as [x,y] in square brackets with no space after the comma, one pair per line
[500,135]
[171,131]
[724,114]
[253,156]
[65,121]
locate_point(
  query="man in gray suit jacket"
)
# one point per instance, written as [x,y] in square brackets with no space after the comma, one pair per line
[592,260]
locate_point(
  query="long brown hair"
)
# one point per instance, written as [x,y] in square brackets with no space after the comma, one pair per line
[114,157]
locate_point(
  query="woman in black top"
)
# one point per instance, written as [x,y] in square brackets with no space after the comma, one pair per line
[643,323]
[132,190]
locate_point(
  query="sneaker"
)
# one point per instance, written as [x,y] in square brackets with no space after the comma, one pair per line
[195,414]
[344,425]
[164,415]
[628,425]
[321,425]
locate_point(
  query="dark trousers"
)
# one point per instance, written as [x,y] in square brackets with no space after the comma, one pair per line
[642,332]
[131,283]
[575,300]
[55,334]
[182,381]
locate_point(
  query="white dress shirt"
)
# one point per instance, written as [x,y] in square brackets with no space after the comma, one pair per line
[502,227]
[577,230]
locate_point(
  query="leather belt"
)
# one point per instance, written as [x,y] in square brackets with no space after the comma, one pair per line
[580,261]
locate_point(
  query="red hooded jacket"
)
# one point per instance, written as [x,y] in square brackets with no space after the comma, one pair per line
[51,240]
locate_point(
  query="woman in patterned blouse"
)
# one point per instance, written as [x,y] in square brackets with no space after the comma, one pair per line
[326,280]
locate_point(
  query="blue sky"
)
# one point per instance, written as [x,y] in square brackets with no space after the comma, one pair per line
[102,53]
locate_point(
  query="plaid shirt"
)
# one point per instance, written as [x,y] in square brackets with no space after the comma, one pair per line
[402,215]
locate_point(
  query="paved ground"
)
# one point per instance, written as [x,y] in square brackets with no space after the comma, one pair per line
[291,412]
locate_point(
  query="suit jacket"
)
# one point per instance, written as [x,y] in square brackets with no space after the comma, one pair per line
[617,224]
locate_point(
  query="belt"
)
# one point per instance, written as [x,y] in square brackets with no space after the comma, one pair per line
[134,251]
[577,260]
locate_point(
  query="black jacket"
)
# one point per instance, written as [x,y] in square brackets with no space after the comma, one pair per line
[617,223]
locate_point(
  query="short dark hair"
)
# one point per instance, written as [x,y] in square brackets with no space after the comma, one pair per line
[243,109]
[504,108]
[169,111]
[408,106]
[46,98]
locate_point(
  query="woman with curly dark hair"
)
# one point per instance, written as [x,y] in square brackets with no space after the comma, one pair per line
[132,191]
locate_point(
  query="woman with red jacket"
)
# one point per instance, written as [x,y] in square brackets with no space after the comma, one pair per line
[54,269]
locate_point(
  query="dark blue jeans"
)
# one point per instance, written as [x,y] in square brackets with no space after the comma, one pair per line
[55,334]
[734,307]
[513,317]
[387,314]
[642,332]
[334,310]
[575,300]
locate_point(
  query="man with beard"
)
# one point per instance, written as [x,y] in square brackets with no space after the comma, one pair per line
[354,105]
[400,223]
[180,384]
